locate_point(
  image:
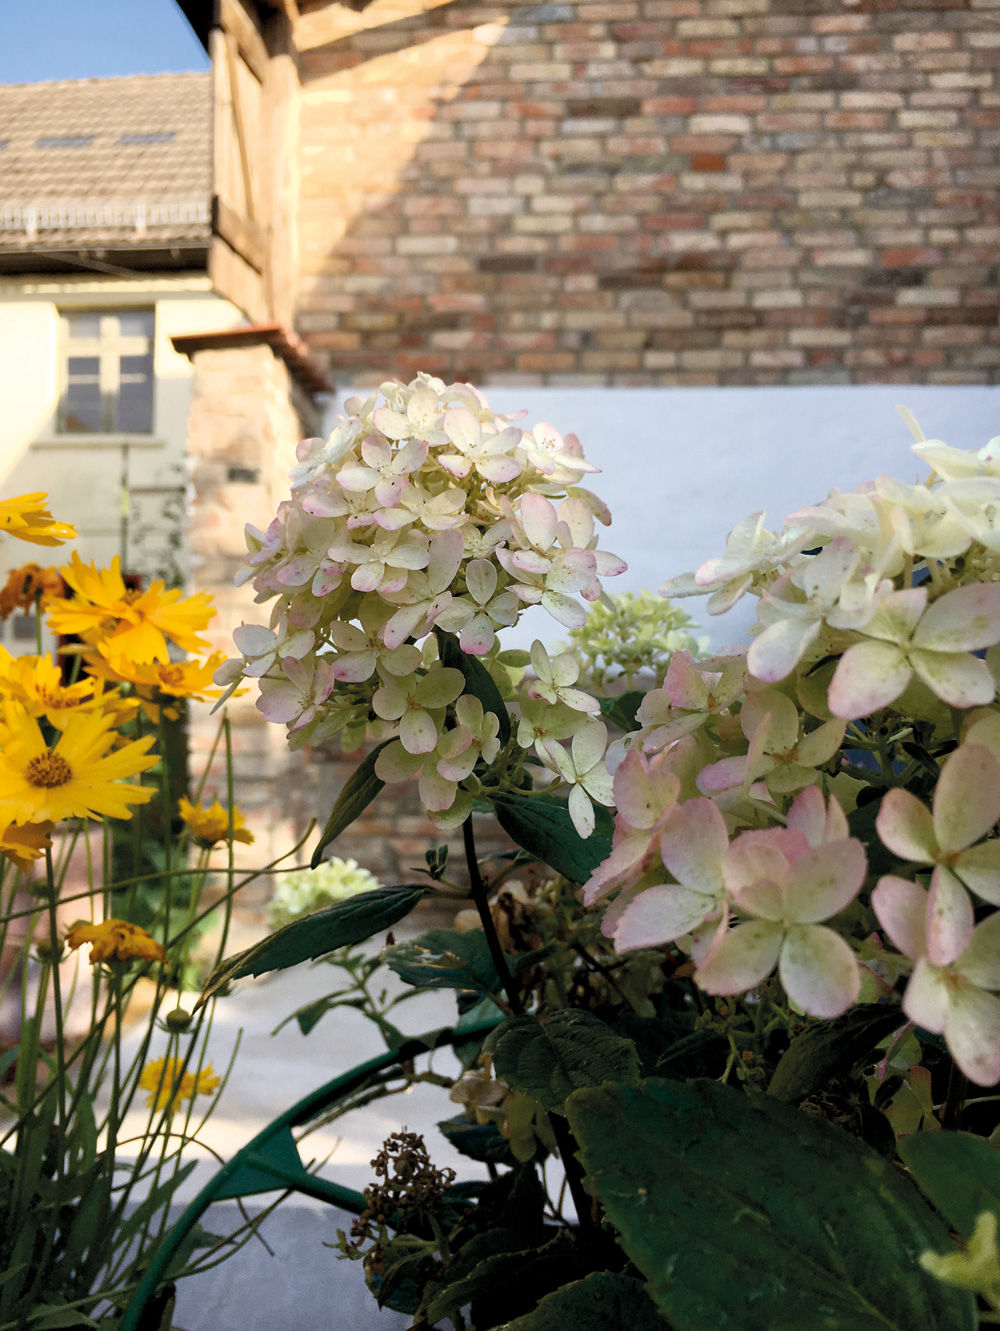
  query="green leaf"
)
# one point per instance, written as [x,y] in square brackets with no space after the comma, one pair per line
[478,680]
[445,959]
[621,711]
[548,1058]
[478,1141]
[340,925]
[827,1050]
[744,1214]
[48,1316]
[357,793]
[960,1173]
[599,1302]
[543,827]
[504,1274]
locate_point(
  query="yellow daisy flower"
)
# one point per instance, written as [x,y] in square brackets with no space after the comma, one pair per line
[211,825]
[24,844]
[115,939]
[127,625]
[160,679]
[80,776]
[27,518]
[35,683]
[168,1085]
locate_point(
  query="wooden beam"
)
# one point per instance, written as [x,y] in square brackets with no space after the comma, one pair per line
[232,61]
[234,19]
[239,233]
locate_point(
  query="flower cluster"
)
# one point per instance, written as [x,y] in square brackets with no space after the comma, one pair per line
[299,892]
[841,773]
[424,514]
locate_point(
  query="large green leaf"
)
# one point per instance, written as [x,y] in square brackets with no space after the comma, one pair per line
[478,680]
[548,1058]
[543,827]
[602,1301]
[960,1173]
[356,794]
[340,925]
[445,959]
[826,1050]
[621,711]
[744,1214]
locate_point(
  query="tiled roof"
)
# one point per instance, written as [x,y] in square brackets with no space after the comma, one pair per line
[121,162]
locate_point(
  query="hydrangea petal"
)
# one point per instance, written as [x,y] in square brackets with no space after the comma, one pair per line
[949,918]
[979,869]
[972,1033]
[956,678]
[693,843]
[826,879]
[901,907]
[775,653]
[965,619]
[660,914]
[741,958]
[819,971]
[980,962]
[966,798]
[869,675]
[906,827]
[926,999]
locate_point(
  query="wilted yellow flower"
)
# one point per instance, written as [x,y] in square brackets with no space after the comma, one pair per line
[28,584]
[80,776]
[168,1085]
[162,680]
[211,825]
[27,518]
[126,625]
[23,844]
[116,938]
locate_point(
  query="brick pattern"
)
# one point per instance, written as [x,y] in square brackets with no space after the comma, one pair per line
[688,192]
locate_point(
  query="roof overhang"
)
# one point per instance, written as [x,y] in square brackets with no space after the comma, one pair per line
[282,341]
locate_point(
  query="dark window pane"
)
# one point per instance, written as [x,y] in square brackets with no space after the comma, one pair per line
[134,408]
[136,323]
[24,628]
[82,403]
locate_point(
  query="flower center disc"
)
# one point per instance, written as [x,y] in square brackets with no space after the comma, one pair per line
[48,770]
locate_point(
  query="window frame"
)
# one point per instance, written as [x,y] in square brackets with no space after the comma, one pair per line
[108,347]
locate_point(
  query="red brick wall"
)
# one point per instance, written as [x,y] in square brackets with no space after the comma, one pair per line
[652,191]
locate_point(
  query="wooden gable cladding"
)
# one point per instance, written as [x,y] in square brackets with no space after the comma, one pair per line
[255,84]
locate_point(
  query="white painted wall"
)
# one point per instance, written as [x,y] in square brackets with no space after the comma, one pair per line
[680,467]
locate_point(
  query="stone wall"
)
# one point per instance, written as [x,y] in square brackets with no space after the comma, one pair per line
[652,191]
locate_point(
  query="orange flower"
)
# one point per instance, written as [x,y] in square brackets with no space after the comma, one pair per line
[115,939]
[211,825]
[27,585]
[23,844]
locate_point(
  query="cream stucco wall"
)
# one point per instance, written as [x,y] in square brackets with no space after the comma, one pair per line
[88,475]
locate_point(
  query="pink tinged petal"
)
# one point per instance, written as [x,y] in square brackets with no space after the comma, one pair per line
[498,470]
[440,687]
[965,619]
[411,456]
[901,907]
[455,463]
[660,914]
[388,490]
[870,675]
[353,476]
[826,879]
[966,798]
[972,1033]
[766,899]
[821,744]
[354,668]
[684,685]
[809,815]
[927,998]
[759,855]
[723,775]
[623,864]
[528,561]
[776,652]
[254,639]
[457,768]
[436,791]
[897,615]
[906,827]
[979,869]
[693,844]
[280,702]
[741,959]
[368,577]
[771,709]
[955,677]
[949,918]
[477,636]
[402,624]
[607,565]
[818,971]
[538,518]
[980,962]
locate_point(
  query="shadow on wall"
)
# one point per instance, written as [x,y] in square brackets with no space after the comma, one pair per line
[540,193]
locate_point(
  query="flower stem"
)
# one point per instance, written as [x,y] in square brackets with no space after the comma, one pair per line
[480,896]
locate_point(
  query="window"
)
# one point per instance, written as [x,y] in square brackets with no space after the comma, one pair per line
[107,372]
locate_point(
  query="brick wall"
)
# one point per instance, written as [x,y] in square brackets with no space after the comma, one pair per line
[652,191]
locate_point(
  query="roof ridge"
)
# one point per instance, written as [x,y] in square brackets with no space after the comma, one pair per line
[112,78]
